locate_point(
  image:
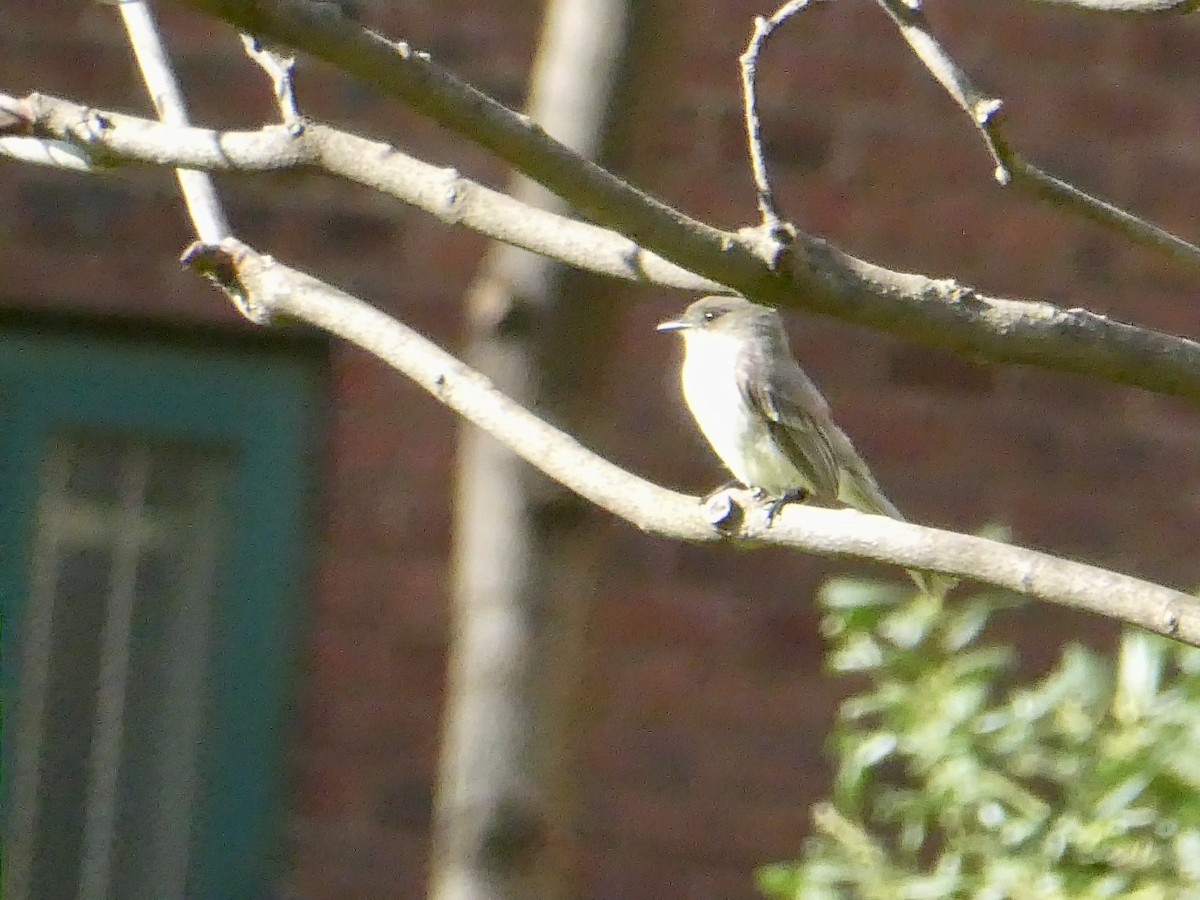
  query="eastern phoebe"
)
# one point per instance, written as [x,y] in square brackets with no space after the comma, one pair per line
[765,418]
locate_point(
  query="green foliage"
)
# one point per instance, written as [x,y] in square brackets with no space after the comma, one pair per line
[951,784]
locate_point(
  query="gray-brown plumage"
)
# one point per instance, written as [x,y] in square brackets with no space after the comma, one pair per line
[763,416]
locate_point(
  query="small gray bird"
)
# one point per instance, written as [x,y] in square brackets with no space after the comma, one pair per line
[765,418]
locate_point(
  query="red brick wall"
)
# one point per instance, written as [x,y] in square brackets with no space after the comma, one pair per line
[707,702]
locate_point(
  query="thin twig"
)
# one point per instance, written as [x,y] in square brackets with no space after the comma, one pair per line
[280,67]
[772,222]
[939,312]
[270,288]
[984,112]
[199,194]
[1132,7]
[1049,187]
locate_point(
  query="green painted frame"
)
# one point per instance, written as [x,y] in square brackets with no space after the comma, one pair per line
[264,402]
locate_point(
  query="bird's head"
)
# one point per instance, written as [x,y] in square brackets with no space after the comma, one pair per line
[718,315]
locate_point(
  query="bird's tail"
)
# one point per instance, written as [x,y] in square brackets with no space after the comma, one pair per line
[857,488]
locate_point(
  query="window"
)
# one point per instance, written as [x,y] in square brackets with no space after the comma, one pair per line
[152,571]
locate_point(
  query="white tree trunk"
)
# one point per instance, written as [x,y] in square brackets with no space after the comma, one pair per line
[504,807]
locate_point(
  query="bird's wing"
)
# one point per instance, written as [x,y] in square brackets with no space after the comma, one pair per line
[796,414]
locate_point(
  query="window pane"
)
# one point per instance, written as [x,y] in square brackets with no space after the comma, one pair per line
[115,691]
[69,716]
[93,469]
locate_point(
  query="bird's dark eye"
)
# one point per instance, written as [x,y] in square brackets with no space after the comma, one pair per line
[709,314]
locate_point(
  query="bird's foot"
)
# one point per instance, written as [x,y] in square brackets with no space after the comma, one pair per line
[775,504]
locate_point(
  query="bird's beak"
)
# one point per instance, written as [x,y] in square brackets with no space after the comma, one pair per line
[672,325]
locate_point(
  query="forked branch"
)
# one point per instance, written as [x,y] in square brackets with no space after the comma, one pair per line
[774,223]
[268,288]
[985,113]
[940,312]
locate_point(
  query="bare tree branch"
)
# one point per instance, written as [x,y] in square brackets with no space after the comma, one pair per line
[819,278]
[1128,6]
[764,27]
[410,75]
[413,77]
[442,192]
[985,113]
[267,288]
[199,194]
[940,312]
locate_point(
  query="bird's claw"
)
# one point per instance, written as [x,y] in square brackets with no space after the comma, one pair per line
[775,504]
